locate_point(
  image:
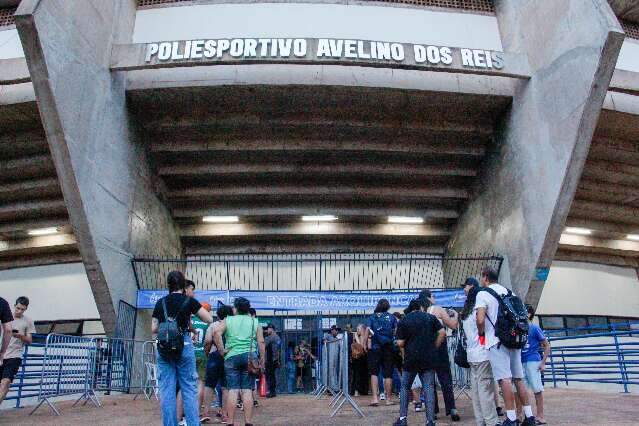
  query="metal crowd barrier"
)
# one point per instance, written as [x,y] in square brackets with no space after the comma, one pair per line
[27,382]
[67,370]
[605,358]
[334,375]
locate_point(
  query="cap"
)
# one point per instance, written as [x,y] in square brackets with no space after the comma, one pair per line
[334,327]
[270,325]
[206,306]
[470,281]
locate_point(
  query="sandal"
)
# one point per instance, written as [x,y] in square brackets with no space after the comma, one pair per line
[205,419]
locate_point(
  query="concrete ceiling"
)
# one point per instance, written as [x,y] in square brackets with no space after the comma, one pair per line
[274,153]
[607,199]
[30,196]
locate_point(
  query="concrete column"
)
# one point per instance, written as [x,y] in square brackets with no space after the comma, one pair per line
[528,183]
[101,164]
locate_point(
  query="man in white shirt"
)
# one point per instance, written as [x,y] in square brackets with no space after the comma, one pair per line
[505,362]
[22,328]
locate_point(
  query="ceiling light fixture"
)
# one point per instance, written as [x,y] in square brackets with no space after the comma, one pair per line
[632,237]
[220,219]
[406,220]
[319,218]
[578,231]
[42,231]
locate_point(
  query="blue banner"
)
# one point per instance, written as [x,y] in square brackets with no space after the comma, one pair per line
[310,300]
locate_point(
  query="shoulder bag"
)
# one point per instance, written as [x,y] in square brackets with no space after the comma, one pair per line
[253,366]
[461,356]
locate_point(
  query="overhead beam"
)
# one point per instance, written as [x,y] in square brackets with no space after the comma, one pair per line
[24,209]
[41,259]
[14,71]
[313,229]
[30,189]
[602,226]
[22,226]
[619,193]
[245,169]
[37,165]
[193,247]
[606,171]
[315,146]
[301,210]
[319,191]
[568,254]
[605,212]
[10,246]
[627,247]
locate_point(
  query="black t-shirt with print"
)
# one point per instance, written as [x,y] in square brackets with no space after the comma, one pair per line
[5,312]
[419,330]
[173,302]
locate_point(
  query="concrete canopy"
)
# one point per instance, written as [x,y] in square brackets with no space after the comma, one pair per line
[272,154]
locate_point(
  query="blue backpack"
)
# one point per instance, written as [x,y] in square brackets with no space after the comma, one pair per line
[382,326]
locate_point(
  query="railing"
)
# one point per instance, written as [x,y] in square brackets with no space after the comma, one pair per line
[27,382]
[606,357]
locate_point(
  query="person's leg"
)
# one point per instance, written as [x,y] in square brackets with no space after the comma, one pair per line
[445,379]
[486,391]
[207,400]
[517,370]
[518,406]
[290,377]
[428,383]
[373,370]
[187,376]
[407,381]
[271,381]
[474,393]
[4,388]
[166,382]
[500,364]
[247,398]
[387,370]
[539,401]
[231,403]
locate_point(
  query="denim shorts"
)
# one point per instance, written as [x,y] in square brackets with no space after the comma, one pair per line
[236,372]
[533,376]
[215,370]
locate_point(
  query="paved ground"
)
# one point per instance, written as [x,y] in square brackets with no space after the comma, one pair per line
[564,407]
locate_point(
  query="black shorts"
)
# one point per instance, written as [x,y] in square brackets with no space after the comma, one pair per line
[9,368]
[383,356]
[215,370]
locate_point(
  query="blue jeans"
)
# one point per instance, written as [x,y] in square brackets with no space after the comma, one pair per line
[290,376]
[183,372]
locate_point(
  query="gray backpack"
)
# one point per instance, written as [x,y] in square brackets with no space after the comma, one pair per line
[170,336]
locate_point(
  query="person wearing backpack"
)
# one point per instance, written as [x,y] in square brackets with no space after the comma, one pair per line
[504,332]
[176,355]
[482,385]
[381,325]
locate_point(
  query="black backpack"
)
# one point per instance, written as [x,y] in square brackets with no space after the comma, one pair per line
[511,327]
[170,336]
[461,356]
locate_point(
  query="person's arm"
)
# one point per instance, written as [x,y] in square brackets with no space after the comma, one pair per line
[6,338]
[441,335]
[205,315]
[481,321]
[155,325]
[217,337]
[208,339]
[545,344]
[450,322]
[260,346]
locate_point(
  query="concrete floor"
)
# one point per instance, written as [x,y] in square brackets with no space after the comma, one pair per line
[563,407]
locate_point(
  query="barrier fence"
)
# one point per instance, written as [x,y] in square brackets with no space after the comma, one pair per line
[607,357]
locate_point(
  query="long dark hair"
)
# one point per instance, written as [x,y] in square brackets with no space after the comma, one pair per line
[382,306]
[469,305]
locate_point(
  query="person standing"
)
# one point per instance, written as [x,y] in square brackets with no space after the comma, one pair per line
[272,344]
[448,318]
[241,332]
[22,329]
[533,358]
[482,384]
[333,355]
[290,367]
[178,307]
[6,318]
[381,325]
[504,362]
[419,335]
[214,367]
[359,354]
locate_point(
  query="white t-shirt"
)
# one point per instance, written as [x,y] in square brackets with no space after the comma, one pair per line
[486,300]
[475,351]
[24,325]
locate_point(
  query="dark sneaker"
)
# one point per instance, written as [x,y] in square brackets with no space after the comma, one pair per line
[529,421]
[256,403]
[500,411]
[509,422]
[401,422]
[418,407]
[455,417]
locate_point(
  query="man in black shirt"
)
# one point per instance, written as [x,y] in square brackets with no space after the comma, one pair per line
[180,371]
[419,335]
[6,317]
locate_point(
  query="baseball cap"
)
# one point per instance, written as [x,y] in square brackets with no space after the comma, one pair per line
[470,281]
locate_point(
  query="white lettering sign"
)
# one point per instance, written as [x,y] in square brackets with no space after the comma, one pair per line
[323,48]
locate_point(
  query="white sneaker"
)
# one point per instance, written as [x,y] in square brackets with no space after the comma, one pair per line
[382,396]
[182,423]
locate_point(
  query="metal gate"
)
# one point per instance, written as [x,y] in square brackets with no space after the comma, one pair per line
[127,316]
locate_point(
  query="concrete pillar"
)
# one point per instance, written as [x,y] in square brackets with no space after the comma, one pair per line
[528,183]
[101,164]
